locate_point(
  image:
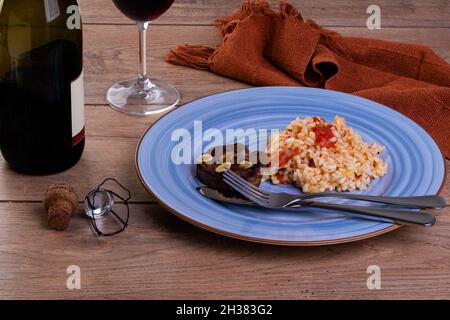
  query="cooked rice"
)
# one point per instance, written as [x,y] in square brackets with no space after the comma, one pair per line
[341,161]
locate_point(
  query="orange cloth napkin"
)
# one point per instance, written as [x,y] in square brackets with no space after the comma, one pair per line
[266,48]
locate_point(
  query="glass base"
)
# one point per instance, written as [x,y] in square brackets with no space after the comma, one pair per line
[154,97]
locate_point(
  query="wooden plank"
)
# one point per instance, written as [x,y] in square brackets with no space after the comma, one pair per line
[104,157]
[411,13]
[161,257]
[113,136]
[104,122]
[115,58]
[107,154]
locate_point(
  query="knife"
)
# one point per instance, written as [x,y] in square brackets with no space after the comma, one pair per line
[216,195]
[422,219]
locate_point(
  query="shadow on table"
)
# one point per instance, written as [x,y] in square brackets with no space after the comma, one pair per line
[192,235]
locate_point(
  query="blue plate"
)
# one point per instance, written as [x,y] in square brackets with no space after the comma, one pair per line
[416,165]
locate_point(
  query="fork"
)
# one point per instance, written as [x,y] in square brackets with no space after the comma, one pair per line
[285,199]
[277,200]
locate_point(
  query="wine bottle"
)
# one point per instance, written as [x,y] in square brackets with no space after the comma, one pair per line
[41,85]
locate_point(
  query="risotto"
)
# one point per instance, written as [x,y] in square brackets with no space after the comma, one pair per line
[317,156]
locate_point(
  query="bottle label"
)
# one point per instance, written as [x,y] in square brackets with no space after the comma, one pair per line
[78,110]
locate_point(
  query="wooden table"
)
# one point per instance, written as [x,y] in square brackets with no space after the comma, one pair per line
[160,256]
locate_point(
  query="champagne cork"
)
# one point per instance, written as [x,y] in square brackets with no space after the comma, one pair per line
[60,202]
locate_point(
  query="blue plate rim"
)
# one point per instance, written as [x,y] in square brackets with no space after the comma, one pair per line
[261,240]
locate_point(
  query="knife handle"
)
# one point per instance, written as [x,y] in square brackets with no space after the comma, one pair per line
[399,216]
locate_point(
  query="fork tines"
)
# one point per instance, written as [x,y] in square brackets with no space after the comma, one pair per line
[245,188]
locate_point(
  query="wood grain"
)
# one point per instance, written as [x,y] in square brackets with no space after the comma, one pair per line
[110,150]
[161,257]
[115,58]
[103,157]
[403,13]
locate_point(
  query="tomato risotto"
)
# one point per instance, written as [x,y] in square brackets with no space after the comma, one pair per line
[318,156]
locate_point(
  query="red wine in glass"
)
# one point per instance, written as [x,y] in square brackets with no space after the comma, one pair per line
[142,95]
[143,10]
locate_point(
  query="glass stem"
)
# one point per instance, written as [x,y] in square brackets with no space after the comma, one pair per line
[143,82]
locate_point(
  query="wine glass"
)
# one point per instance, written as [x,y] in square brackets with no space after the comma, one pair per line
[142,96]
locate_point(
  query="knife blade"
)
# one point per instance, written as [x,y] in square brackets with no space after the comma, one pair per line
[216,195]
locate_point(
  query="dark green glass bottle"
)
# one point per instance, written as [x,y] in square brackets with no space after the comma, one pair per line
[41,85]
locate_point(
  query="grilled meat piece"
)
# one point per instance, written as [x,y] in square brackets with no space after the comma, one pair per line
[236,158]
